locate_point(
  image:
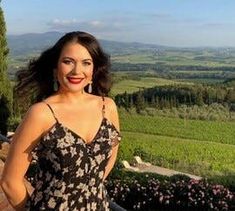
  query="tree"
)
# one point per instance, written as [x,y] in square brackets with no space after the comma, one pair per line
[199,98]
[230,96]
[5,85]
[140,102]
[4,114]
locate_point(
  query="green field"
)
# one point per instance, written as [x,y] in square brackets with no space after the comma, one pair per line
[202,80]
[210,131]
[129,86]
[135,58]
[204,148]
[171,57]
[187,155]
[196,72]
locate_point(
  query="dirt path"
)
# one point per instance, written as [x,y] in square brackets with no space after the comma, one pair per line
[163,171]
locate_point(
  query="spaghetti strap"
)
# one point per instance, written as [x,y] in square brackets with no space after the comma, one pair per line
[103,108]
[51,111]
[74,163]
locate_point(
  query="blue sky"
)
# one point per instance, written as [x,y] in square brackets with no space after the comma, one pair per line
[164,22]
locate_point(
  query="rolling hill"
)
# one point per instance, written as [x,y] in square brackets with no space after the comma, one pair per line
[35,42]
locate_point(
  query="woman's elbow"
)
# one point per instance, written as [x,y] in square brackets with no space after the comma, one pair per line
[9,186]
[5,185]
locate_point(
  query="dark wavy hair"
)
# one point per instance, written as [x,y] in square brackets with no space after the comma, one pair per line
[36,81]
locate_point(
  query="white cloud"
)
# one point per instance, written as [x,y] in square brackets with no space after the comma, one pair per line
[92,25]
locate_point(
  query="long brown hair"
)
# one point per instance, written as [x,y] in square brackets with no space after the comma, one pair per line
[36,81]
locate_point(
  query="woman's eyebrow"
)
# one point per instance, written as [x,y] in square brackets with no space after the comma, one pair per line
[67,57]
[87,60]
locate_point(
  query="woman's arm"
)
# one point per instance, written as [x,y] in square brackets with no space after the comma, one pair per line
[115,120]
[19,156]
[111,162]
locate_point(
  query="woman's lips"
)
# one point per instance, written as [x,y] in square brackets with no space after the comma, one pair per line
[75,80]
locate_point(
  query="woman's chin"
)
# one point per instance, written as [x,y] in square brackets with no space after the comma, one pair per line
[72,89]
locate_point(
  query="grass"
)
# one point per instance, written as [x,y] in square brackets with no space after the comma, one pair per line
[202,80]
[172,58]
[197,72]
[203,148]
[135,58]
[210,131]
[131,86]
[190,156]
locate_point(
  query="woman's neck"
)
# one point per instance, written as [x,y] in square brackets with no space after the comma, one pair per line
[72,98]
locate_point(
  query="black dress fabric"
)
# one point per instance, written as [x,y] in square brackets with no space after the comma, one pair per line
[70,171]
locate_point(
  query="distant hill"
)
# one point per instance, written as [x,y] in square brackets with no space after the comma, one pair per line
[167,62]
[35,42]
[30,43]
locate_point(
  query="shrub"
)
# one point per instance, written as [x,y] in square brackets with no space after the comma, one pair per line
[13,123]
[178,193]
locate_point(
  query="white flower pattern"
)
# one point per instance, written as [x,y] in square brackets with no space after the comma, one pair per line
[70,172]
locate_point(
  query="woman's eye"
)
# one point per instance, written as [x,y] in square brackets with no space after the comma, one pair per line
[67,62]
[86,63]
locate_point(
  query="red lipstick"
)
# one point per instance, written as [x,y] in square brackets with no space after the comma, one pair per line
[74,80]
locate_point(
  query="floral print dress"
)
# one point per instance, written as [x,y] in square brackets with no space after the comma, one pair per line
[70,171]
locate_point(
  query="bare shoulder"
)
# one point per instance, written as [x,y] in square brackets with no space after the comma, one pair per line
[110,104]
[37,107]
[26,136]
[34,123]
[39,110]
[111,112]
[39,113]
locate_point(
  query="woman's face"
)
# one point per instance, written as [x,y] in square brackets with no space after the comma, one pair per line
[74,68]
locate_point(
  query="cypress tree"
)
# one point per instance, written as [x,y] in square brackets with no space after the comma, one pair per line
[140,103]
[5,85]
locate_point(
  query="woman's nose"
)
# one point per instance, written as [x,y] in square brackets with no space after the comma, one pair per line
[77,68]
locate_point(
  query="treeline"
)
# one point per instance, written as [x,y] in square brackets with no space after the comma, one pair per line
[5,85]
[171,96]
[167,71]
[200,75]
[161,66]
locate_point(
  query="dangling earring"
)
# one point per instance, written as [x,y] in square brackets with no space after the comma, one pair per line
[55,82]
[90,87]
[55,85]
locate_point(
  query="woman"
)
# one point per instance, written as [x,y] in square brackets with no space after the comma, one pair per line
[72,131]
